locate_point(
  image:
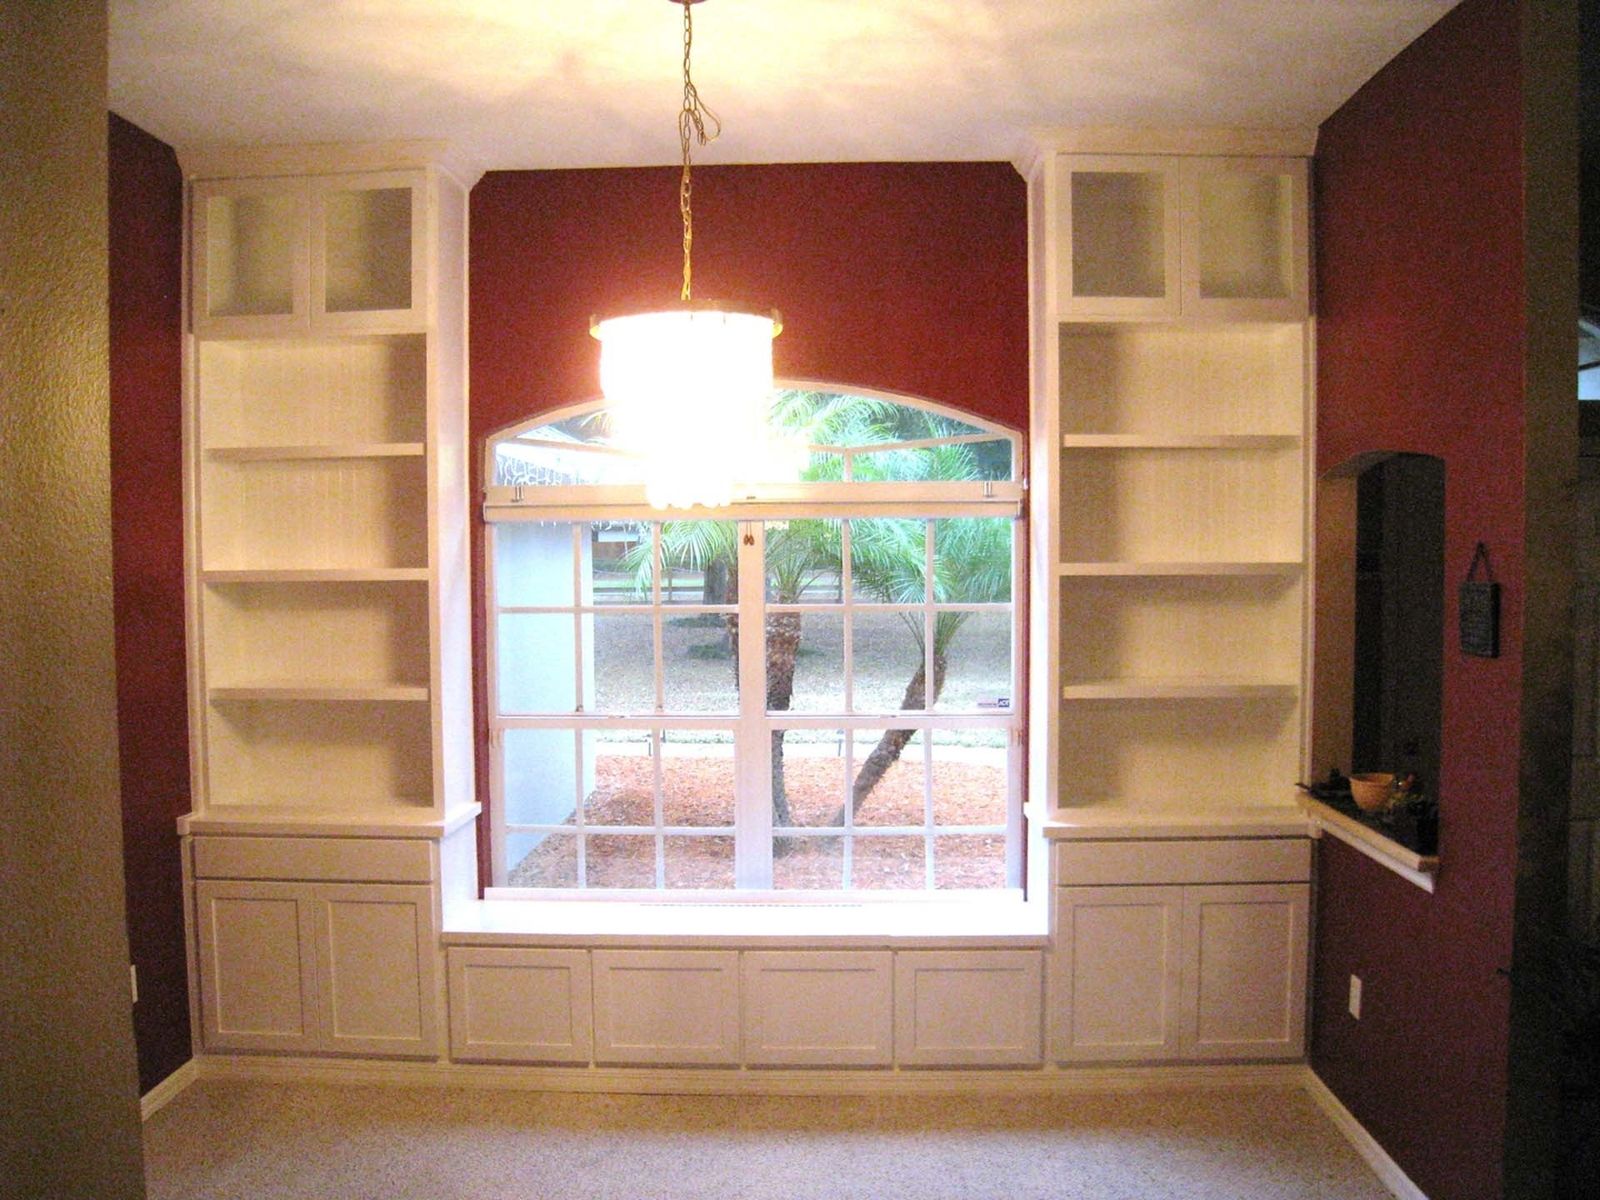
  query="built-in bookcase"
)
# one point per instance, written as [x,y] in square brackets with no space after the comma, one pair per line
[1170,452]
[326,425]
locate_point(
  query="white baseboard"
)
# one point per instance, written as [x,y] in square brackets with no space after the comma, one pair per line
[1385,1168]
[748,1081]
[168,1089]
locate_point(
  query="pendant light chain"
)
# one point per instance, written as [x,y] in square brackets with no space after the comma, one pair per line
[692,120]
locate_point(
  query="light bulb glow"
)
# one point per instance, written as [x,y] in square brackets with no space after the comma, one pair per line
[689,391]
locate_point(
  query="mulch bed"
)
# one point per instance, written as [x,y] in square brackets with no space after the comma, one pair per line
[699,791]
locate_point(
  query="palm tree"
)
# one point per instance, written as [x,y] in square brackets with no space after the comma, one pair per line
[887,557]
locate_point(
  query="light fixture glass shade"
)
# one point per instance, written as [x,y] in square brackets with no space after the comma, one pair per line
[689,392]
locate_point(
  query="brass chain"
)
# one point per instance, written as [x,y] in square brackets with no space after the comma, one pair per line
[693,120]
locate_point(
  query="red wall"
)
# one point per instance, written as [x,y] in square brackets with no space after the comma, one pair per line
[1420,348]
[901,277]
[146,250]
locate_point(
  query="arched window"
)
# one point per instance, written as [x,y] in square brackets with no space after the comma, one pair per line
[812,689]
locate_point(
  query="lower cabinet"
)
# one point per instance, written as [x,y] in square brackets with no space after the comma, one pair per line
[342,968]
[1198,971]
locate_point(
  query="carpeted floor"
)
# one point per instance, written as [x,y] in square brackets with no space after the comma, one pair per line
[260,1141]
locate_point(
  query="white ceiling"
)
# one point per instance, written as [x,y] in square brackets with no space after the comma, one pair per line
[592,83]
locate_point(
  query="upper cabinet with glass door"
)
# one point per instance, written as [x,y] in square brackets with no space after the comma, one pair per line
[1159,237]
[323,254]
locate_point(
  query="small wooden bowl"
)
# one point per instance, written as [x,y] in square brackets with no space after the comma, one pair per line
[1372,791]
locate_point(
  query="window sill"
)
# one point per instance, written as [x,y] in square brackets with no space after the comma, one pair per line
[1003,921]
[1408,864]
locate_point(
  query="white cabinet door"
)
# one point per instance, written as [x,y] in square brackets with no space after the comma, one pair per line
[968,1008]
[251,257]
[666,1007]
[818,1008]
[1117,234]
[1116,973]
[1245,239]
[375,949]
[257,968]
[516,1005]
[1245,970]
[369,252]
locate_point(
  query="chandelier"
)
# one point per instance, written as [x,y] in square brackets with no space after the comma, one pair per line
[689,385]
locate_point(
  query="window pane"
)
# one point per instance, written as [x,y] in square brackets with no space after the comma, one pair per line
[969,861]
[887,777]
[809,863]
[888,862]
[621,779]
[805,662]
[699,670]
[970,777]
[623,679]
[617,563]
[977,653]
[803,561]
[887,560]
[620,861]
[699,562]
[809,765]
[537,668]
[533,564]
[886,661]
[972,560]
[542,860]
[699,862]
[697,774]
[540,775]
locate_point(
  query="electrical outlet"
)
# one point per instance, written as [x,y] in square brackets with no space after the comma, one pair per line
[1355,996]
[133,981]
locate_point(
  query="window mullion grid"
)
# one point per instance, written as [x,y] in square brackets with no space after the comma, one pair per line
[578,815]
[930,621]
[658,658]
[849,838]
[752,847]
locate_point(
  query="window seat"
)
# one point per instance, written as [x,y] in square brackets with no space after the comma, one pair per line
[1001,921]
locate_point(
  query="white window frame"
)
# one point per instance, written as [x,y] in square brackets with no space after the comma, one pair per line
[752,829]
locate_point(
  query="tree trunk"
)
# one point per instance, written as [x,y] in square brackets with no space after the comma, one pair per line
[893,742]
[783,648]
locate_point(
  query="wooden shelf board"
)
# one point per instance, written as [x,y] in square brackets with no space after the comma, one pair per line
[1408,864]
[400,819]
[1140,441]
[1287,570]
[1176,688]
[338,692]
[317,575]
[316,452]
[1112,819]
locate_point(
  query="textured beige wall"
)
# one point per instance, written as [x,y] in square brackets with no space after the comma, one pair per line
[69,1119]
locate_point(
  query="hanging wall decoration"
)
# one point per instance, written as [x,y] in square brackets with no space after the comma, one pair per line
[1480,609]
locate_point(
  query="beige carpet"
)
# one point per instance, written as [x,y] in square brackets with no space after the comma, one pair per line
[256,1141]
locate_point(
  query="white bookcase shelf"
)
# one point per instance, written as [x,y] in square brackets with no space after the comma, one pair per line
[1169,443]
[326,431]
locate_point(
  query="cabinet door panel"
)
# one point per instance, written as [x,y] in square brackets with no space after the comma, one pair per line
[257,973]
[818,1008]
[1245,246]
[1244,996]
[1116,973]
[1118,236]
[667,1007]
[376,969]
[967,1008]
[516,1005]
[250,260]
[369,252]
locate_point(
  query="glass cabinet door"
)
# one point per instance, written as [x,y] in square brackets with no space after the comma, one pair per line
[1244,248]
[367,251]
[249,256]
[1118,236]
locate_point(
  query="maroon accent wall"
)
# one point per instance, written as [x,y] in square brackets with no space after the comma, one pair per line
[900,277]
[146,250]
[1419,228]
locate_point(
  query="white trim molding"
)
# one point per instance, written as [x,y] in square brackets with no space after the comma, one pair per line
[1385,1168]
[168,1090]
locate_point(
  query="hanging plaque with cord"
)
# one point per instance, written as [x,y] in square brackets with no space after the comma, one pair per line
[1480,609]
